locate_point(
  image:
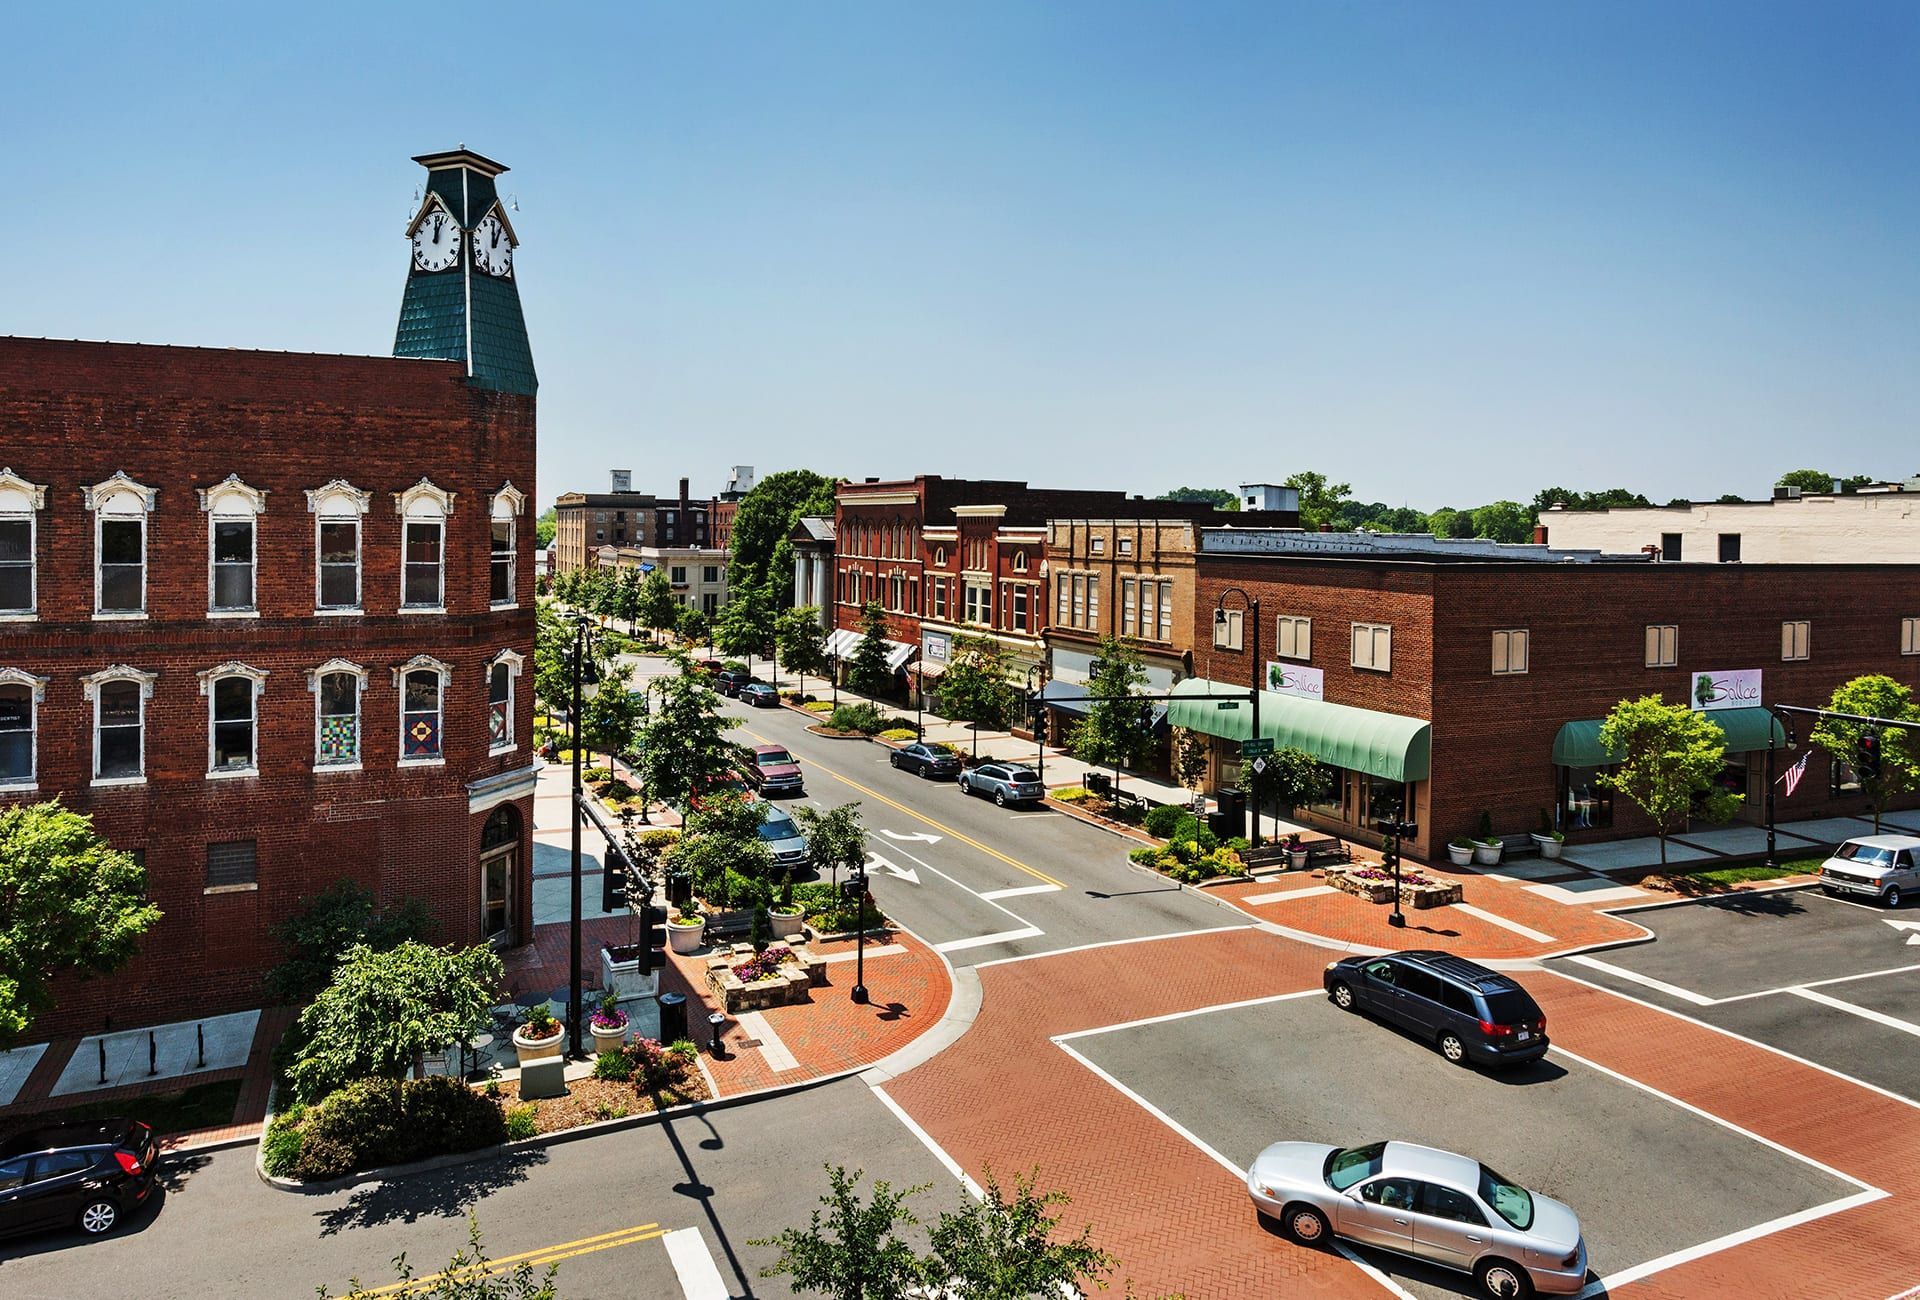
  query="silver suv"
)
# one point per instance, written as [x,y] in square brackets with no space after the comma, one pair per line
[1886,867]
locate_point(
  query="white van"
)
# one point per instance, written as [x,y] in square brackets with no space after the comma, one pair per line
[1886,867]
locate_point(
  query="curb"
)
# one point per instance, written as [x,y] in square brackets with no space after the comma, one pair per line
[1097,823]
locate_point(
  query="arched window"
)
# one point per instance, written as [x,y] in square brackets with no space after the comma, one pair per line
[1020,561]
[119,695]
[231,508]
[232,691]
[422,682]
[336,687]
[501,673]
[120,508]
[20,505]
[423,510]
[502,828]
[508,502]
[20,696]
[337,509]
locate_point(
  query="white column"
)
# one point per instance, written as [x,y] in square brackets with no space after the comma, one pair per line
[800,560]
[822,595]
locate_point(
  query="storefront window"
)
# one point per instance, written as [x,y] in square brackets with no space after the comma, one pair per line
[1731,779]
[1841,778]
[1585,804]
[1386,801]
[1332,801]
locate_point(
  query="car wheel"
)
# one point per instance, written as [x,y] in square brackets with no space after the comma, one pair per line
[99,1216]
[1000,798]
[1453,1049]
[1503,1281]
[1892,895]
[925,773]
[1342,996]
[895,761]
[1306,1225]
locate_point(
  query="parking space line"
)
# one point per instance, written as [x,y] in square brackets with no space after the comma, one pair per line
[1113,943]
[1816,984]
[1865,1013]
[1621,972]
[1020,891]
[982,940]
[1281,896]
[926,1140]
[778,1056]
[1493,918]
[693,1265]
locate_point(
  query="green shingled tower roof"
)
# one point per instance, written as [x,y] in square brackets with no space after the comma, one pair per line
[461,305]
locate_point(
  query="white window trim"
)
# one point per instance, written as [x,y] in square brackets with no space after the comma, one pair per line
[420,663]
[423,503]
[36,693]
[1229,630]
[1373,640]
[98,498]
[314,677]
[508,504]
[90,690]
[1526,651]
[232,501]
[441,607]
[513,661]
[208,677]
[1800,630]
[21,500]
[339,502]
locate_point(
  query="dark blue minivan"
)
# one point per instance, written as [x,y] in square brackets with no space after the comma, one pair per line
[1471,1014]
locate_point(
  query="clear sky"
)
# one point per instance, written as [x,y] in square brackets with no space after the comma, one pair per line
[1446,252]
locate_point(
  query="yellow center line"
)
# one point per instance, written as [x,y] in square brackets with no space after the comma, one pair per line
[920,816]
[543,1255]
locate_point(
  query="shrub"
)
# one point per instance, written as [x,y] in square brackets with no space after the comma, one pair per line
[520,1122]
[818,706]
[899,733]
[443,1115]
[327,925]
[613,1065]
[596,774]
[280,1150]
[352,1128]
[1162,821]
[1070,793]
[378,1122]
[863,717]
[604,1111]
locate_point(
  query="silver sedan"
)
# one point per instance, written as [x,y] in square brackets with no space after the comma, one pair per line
[1431,1205]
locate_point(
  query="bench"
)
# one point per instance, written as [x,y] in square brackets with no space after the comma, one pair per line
[1517,846]
[1326,850]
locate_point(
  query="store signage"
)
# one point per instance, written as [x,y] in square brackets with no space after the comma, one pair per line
[935,646]
[1293,679]
[1738,688]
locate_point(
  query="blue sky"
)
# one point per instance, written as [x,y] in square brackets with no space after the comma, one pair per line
[1445,252]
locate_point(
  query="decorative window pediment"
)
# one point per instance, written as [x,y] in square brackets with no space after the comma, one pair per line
[332,666]
[432,204]
[513,659]
[338,499]
[38,685]
[18,496]
[90,684]
[423,501]
[508,502]
[233,668]
[231,496]
[421,663]
[120,495]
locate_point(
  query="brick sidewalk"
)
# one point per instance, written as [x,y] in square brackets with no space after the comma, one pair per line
[830,1034]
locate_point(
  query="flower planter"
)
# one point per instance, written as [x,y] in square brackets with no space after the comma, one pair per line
[620,974]
[1374,891]
[787,922]
[1461,854]
[684,938]
[608,1040]
[1297,859]
[1487,855]
[528,1048]
[1550,846]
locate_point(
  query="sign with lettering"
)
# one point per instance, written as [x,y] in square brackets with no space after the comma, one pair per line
[1296,679]
[1738,688]
[934,645]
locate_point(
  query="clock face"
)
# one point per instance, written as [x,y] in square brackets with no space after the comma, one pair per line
[492,248]
[436,244]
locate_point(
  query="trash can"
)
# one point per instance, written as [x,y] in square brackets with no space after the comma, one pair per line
[673,1017]
[1229,817]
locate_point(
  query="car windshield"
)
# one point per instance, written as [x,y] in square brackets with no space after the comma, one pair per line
[1865,854]
[1509,1200]
[1024,776]
[778,826]
[773,757]
[1345,1168]
[1512,1008]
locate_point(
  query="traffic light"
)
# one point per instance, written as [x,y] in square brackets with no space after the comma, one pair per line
[852,888]
[1866,758]
[653,934]
[1040,727]
[613,882]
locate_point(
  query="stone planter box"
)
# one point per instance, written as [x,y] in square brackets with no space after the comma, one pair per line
[1438,894]
[1374,891]
[620,975]
[790,985]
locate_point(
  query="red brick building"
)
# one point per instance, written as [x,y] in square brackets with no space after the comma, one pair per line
[268,619]
[1454,679]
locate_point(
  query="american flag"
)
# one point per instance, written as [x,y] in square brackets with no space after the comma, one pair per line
[1793,774]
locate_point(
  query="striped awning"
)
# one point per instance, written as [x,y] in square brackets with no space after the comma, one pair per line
[841,643]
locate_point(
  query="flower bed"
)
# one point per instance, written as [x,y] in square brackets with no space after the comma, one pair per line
[1186,861]
[1417,889]
[777,977]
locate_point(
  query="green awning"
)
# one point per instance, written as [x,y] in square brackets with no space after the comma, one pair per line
[1385,745]
[1578,743]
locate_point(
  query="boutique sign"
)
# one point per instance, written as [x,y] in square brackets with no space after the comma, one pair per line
[1292,679]
[1738,688]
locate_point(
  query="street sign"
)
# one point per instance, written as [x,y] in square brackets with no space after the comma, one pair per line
[1256,747]
[1259,765]
[1226,704]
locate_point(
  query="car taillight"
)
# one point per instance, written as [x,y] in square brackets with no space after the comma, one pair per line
[1492,1030]
[129,1162]
[1543,1024]
[1572,1258]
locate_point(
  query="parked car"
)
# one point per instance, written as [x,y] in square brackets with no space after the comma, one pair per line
[1467,1011]
[728,681]
[87,1175]
[781,833]
[759,695]
[1003,783]
[933,761]
[707,789]
[708,667]
[772,770]
[1886,867]
[1433,1205]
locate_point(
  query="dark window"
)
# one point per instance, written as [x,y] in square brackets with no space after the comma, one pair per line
[1729,548]
[1423,982]
[339,565]
[233,564]
[16,735]
[500,705]
[1455,998]
[1390,1193]
[122,566]
[1512,1008]
[232,724]
[502,571]
[231,863]
[120,727]
[1584,802]
[12,1173]
[1384,971]
[57,1163]
[423,565]
[1445,1203]
[1669,546]
[16,565]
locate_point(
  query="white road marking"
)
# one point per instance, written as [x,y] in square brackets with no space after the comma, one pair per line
[1014,817]
[982,940]
[1020,891]
[914,837]
[1311,891]
[1491,918]
[907,874]
[885,950]
[778,1057]
[1905,925]
[1815,984]
[693,1265]
[1184,1015]
[1114,943]
[1621,972]
[1865,1013]
[926,1140]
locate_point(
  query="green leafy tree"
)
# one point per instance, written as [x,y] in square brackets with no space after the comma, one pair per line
[1605,499]
[69,903]
[975,688]
[626,594]
[1448,522]
[1001,1248]
[383,1011]
[327,925]
[801,641]
[1295,778]
[867,670]
[1218,498]
[1118,729]
[658,609]
[1503,521]
[469,1275]
[545,527]
[836,837]
[692,625]
[553,638]
[852,1250]
[610,718]
[1190,757]
[745,624]
[1668,756]
[1873,696]
[721,847]
[1808,480]
[1320,500]
[684,745]
[761,550]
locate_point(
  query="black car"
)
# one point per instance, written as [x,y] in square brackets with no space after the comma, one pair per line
[728,681]
[85,1175]
[1467,1011]
[932,761]
[759,694]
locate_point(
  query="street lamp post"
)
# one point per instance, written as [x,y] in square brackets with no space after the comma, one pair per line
[1253,774]
[833,675]
[580,668]
[1037,718]
[857,887]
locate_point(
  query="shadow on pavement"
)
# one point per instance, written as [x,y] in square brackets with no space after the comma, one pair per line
[694,1189]
[438,1194]
[1401,1269]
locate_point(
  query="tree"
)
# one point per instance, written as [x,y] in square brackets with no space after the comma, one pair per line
[1118,728]
[800,639]
[836,838]
[327,925]
[975,688]
[469,1275]
[545,527]
[626,594]
[553,637]
[69,903]
[1503,521]
[1605,499]
[722,841]
[1873,696]
[1000,1249]
[1295,778]
[745,624]
[684,746]
[692,625]
[1190,758]
[762,552]
[1668,757]
[853,1251]
[1808,480]
[657,607]
[867,670]
[1448,522]
[383,1011]
[610,718]
[1320,500]
[1218,498]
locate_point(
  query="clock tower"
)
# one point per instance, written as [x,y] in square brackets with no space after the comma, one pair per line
[462,302]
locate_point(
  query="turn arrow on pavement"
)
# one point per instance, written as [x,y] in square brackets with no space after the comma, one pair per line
[1914,926]
[916,837]
[907,874]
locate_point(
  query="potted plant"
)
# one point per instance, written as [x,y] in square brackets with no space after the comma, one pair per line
[609,1024]
[1296,854]
[786,915]
[1550,840]
[539,1034]
[687,928]
[1486,845]
[1460,849]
